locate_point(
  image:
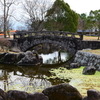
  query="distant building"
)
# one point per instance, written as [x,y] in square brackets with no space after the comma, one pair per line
[12,32]
[88,31]
[9,34]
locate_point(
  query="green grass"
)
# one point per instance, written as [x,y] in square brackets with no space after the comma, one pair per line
[78,80]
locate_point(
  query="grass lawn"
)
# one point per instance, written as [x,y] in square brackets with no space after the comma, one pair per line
[91,38]
[97,51]
[78,80]
[85,82]
[88,38]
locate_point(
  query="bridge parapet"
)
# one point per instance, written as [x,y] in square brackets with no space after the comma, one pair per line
[23,34]
[68,41]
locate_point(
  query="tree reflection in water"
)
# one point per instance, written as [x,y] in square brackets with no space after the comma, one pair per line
[32,78]
[3,77]
[23,78]
[56,57]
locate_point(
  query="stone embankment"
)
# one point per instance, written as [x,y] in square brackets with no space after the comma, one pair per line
[87,59]
[58,92]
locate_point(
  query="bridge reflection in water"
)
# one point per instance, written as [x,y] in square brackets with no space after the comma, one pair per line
[33,78]
[26,78]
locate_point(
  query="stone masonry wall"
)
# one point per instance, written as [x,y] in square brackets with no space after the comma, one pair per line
[87,59]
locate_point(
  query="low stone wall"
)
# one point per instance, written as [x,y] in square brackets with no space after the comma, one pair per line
[88,44]
[87,59]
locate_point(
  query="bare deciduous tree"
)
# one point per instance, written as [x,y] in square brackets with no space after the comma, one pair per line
[1,23]
[35,12]
[7,9]
[5,43]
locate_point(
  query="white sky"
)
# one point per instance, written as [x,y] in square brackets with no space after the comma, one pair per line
[83,6]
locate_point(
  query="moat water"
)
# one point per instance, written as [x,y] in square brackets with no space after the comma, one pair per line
[32,78]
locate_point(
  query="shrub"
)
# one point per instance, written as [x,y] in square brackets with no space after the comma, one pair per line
[5,44]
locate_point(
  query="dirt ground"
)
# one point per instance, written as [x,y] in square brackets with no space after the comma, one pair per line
[91,38]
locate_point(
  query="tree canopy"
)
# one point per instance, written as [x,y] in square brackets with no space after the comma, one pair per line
[90,22]
[60,17]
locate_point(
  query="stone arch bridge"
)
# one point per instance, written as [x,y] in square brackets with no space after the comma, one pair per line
[68,41]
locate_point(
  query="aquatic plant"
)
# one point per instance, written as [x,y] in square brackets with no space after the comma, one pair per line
[60,74]
[76,78]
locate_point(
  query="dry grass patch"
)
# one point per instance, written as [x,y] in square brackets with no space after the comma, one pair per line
[90,38]
[97,51]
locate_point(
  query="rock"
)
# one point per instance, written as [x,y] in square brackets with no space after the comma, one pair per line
[98,69]
[36,55]
[2,55]
[62,92]
[74,65]
[15,49]
[20,56]
[92,95]
[23,58]
[37,96]
[28,59]
[87,58]
[2,94]
[1,98]
[9,58]
[41,59]
[89,70]
[16,95]
[85,98]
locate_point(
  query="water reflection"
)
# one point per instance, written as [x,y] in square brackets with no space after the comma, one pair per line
[52,53]
[32,78]
[55,57]
[23,78]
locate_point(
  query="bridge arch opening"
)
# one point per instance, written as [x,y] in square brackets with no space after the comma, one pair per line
[52,53]
[68,44]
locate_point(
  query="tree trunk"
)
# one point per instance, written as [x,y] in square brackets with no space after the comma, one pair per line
[99,35]
[4,19]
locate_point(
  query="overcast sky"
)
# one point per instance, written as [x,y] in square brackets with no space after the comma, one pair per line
[83,6]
